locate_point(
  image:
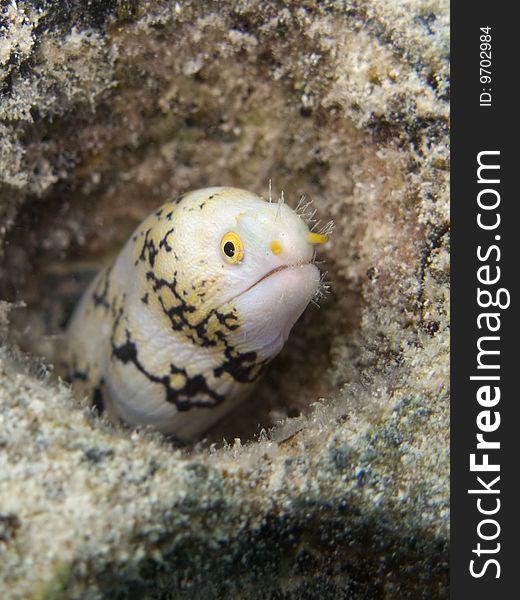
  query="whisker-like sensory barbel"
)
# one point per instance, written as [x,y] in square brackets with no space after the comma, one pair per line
[201,298]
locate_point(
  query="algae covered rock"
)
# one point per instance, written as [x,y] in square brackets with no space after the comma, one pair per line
[106,110]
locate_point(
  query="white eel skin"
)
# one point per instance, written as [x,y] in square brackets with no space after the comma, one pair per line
[200,299]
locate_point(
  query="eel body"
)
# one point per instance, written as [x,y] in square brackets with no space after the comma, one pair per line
[174,333]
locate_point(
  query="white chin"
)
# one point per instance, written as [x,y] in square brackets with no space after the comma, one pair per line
[269,309]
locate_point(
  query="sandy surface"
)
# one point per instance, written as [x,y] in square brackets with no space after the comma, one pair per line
[107,110]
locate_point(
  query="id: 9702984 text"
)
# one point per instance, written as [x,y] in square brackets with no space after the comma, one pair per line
[485,66]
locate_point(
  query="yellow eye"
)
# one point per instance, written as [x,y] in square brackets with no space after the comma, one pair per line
[232,248]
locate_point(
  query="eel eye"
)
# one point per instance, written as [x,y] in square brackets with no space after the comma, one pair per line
[232,248]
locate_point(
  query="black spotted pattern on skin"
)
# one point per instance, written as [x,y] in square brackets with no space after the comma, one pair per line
[164,242]
[184,307]
[100,296]
[243,367]
[191,394]
[97,399]
[177,314]
[148,251]
[72,370]
[83,379]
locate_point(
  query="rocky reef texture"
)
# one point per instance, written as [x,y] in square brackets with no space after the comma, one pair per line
[109,108]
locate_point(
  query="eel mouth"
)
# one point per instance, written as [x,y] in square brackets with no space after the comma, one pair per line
[272,272]
[266,276]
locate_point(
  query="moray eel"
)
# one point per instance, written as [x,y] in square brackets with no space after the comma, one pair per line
[201,298]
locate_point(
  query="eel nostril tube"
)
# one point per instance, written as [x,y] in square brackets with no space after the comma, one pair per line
[317,238]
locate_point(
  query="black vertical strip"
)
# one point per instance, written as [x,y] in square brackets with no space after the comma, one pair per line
[490,540]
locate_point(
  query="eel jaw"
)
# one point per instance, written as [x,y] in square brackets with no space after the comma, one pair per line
[273,272]
[271,306]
